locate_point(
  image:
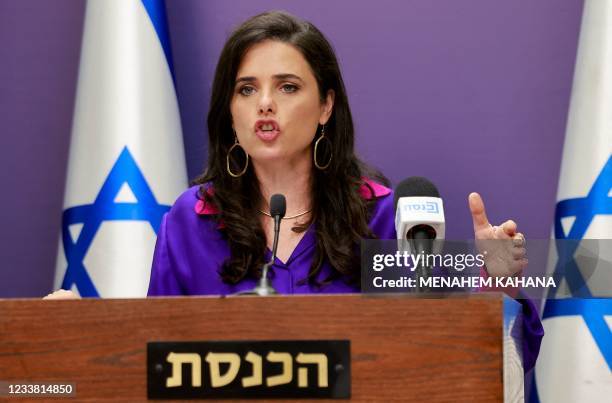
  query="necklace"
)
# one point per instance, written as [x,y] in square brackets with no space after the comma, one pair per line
[287,218]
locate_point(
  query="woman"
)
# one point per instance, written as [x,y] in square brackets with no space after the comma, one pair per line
[279,122]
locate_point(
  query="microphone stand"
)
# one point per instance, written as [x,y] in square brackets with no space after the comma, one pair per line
[264,287]
[422,243]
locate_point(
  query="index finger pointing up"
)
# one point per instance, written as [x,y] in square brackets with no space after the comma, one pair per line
[477,208]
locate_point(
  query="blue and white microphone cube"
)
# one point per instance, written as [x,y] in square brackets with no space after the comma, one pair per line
[413,211]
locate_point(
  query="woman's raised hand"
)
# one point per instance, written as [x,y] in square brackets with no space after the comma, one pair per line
[503,246]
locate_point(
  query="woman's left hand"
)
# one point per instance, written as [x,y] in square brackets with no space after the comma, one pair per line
[502,245]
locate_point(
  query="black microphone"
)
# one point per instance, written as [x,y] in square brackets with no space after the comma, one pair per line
[278,207]
[419,217]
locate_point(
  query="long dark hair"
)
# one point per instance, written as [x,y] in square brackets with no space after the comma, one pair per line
[339,213]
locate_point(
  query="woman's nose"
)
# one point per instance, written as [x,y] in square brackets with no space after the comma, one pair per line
[266,104]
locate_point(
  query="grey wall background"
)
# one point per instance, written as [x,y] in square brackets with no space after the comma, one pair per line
[472,94]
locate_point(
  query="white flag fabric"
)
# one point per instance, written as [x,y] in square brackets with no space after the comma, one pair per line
[126,163]
[575,362]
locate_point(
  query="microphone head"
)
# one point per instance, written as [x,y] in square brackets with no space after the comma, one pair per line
[278,205]
[419,208]
[415,186]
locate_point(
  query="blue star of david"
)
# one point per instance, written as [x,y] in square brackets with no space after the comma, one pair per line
[104,208]
[597,202]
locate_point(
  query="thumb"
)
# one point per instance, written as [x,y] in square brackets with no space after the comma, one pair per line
[477,208]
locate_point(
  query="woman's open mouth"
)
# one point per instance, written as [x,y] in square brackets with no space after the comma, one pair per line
[267,130]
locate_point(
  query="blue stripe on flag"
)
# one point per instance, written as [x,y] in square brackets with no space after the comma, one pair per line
[104,208]
[584,209]
[157,12]
[593,312]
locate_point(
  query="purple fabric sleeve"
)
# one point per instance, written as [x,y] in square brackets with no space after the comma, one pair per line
[163,280]
[533,332]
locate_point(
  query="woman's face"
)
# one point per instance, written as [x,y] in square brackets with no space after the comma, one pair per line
[276,107]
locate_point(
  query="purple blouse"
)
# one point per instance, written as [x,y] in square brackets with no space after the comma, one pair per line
[190,250]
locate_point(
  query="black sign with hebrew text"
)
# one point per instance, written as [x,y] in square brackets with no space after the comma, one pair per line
[249,369]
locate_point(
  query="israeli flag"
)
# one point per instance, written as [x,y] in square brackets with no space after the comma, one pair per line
[575,362]
[126,163]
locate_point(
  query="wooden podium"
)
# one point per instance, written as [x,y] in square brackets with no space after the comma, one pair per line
[462,348]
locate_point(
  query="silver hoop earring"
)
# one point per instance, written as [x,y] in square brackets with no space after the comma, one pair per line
[227,159]
[316,148]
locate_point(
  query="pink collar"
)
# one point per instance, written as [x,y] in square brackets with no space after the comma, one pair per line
[204,208]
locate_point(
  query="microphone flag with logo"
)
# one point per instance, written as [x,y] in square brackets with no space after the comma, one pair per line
[126,163]
[575,362]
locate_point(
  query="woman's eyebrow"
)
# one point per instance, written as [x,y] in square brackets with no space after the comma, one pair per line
[287,76]
[245,79]
[282,76]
